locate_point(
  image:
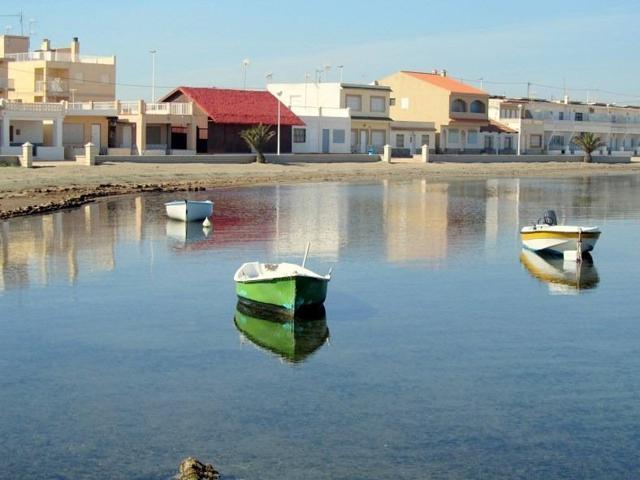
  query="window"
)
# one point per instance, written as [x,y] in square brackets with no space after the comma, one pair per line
[404,103]
[477,107]
[354,102]
[377,138]
[104,78]
[299,135]
[338,136]
[535,141]
[392,101]
[377,104]
[399,140]
[425,140]
[557,141]
[472,137]
[560,115]
[508,143]
[578,116]
[454,136]
[203,134]
[78,77]
[458,105]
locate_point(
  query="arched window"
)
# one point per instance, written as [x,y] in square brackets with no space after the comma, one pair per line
[477,107]
[458,105]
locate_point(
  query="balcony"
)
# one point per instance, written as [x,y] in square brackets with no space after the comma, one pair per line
[52,87]
[54,56]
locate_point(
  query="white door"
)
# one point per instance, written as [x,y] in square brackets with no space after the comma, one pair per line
[363,141]
[95,135]
[126,136]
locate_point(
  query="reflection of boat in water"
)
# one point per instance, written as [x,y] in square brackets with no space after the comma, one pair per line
[563,277]
[547,235]
[186,232]
[292,340]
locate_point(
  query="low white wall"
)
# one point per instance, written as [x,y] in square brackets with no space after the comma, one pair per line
[49,153]
[462,158]
[242,158]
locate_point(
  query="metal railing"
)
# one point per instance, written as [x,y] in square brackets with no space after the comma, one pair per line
[169,108]
[55,56]
[33,107]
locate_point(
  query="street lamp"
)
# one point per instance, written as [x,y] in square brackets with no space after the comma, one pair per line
[153,74]
[245,63]
[278,134]
[269,77]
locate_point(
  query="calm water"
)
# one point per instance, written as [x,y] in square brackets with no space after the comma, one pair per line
[443,353]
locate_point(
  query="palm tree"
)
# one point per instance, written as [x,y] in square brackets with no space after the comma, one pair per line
[257,138]
[588,142]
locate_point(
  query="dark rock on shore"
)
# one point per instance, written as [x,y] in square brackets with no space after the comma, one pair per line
[193,469]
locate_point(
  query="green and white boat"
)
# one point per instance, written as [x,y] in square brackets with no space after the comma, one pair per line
[285,285]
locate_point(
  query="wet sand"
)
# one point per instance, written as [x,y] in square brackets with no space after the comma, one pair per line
[57,185]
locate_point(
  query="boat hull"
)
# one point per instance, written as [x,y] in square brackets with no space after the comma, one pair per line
[558,242]
[189,211]
[290,293]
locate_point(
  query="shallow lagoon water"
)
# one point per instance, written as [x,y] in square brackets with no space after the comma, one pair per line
[447,356]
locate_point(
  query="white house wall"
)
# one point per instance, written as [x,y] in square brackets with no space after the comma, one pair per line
[309,94]
[314,126]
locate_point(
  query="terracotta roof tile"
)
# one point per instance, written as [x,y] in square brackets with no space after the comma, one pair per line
[244,107]
[447,83]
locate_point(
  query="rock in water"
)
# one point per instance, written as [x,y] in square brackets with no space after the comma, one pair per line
[193,469]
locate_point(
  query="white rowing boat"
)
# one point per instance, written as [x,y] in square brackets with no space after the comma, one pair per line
[189,210]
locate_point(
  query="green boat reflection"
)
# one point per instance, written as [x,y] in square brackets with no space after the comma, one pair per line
[291,340]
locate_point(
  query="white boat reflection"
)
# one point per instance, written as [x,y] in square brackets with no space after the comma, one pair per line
[563,277]
[187,233]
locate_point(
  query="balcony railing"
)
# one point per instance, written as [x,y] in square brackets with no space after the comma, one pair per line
[109,108]
[169,108]
[52,87]
[54,56]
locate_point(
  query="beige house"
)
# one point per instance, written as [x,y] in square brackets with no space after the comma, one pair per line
[369,110]
[54,74]
[459,112]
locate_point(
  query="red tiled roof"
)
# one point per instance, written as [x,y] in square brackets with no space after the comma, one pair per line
[447,83]
[244,107]
[497,127]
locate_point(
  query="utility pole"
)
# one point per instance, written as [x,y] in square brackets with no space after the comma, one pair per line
[528,90]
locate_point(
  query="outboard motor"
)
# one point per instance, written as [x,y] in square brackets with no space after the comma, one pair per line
[550,218]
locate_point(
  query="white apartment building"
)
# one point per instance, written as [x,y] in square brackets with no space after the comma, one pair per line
[547,126]
[338,117]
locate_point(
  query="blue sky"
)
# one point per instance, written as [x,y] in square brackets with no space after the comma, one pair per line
[588,46]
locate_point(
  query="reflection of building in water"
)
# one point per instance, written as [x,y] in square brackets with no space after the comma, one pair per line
[416,221]
[501,209]
[36,250]
[311,213]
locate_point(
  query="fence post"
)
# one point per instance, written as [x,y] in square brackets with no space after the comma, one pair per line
[425,154]
[90,154]
[386,156]
[27,155]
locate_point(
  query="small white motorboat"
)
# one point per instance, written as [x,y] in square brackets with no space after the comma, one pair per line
[547,236]
[189,210]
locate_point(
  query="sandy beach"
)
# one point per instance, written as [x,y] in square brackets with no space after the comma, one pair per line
[56,185]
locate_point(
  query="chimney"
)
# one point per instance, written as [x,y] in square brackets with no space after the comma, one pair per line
[45,45]
[75,48]
[443,73]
